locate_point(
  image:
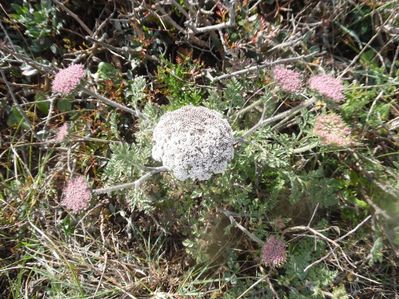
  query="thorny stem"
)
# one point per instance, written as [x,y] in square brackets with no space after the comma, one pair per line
[136,184]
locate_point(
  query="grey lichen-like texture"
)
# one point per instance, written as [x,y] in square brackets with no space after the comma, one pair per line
[193,142]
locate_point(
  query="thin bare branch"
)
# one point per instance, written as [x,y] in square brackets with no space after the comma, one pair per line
[230,23]
[14,99]
[265,64]
[262,122]
[136,184]
[75,17]
[113,104]
[243,229]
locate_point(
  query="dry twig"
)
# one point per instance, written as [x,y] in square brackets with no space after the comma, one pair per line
[263,65]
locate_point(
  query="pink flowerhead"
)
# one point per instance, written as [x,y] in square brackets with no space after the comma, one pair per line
[332,130]
[274,253]
[287,79]
[76,194]
[66,80]
[328,86]
[62,132]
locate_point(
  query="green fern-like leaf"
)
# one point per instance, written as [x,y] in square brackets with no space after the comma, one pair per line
[135,90]
[125,164]
[233,93]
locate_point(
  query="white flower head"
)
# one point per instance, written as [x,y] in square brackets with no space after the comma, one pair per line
[193,142]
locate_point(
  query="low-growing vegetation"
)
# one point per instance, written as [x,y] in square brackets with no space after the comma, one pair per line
[199,149]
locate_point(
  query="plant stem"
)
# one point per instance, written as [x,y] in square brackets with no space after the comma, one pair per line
[263,65]
[113,104]
[262,122]
[304,148]
[136,184]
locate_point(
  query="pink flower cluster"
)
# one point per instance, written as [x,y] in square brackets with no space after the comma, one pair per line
[328,86]
[288,80]
[332,130]
[66,80]
[76,194]
[274,253]
[62,133]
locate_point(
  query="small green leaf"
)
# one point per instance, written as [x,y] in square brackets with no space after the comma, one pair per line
[41,104]
[64,105]
[15,118]
[340,293]
[54,48]
[135,90]
[361,203]
[106,71]
[376,252]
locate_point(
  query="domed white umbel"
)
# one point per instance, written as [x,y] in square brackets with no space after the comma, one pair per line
[193,142]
